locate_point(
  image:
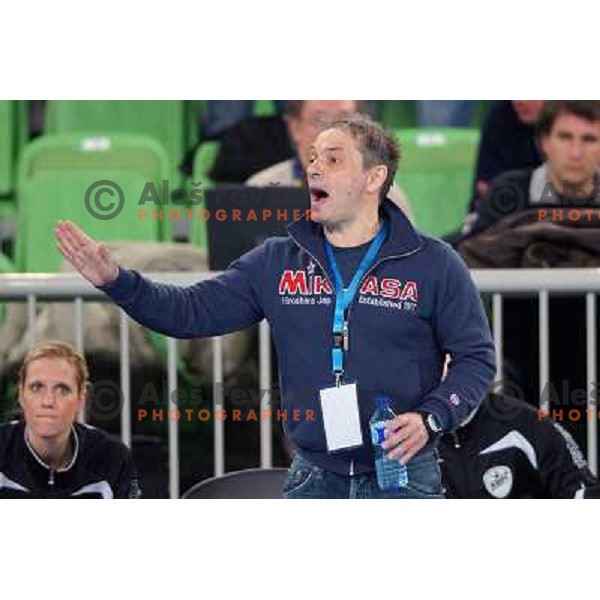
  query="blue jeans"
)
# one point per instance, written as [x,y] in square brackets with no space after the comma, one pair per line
[307,480]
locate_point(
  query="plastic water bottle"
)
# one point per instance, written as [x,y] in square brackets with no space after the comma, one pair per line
[391,474]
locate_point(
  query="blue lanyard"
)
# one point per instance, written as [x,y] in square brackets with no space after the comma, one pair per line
[344,297]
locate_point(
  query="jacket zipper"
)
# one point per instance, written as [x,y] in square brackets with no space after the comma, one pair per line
[315,259]
[457,444]
[51,478]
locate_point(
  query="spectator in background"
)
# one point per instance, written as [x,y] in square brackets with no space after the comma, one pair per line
[251,146]
[507,449]
[48,454]
[569,136]
[221,115]
[303,120]
[507,142]
[248,147]
[519,223]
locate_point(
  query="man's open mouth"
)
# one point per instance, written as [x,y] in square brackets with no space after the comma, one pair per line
[317,194]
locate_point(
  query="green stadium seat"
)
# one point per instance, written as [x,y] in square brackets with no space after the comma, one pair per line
[54,177]
[164,120]
[13,135]
[203,162]
[7,125]
[6,266]
[436,174]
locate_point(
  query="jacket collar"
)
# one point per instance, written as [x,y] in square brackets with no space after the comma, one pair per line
[542,190]
[74,439]
[402,239]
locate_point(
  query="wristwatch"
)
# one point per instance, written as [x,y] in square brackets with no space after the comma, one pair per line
[434,429]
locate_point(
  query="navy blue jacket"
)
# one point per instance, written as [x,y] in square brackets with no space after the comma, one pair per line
[416,304]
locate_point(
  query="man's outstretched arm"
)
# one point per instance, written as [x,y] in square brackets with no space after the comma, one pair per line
[215,306]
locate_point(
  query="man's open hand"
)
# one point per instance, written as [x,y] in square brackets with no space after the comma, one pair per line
[91,259]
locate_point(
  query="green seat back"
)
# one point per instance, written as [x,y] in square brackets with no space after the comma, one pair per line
[8,208]
[436,174]
[13,135]
[6,266]
[204,161]
[163,120]
[85,152]
[7,129]
[54,177]
[53,196]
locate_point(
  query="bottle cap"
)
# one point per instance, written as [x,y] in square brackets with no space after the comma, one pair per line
[382,402]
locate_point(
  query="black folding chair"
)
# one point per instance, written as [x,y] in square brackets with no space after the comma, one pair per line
[247,484]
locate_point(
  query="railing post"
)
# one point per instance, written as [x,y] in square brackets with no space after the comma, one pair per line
[592,392]
[173,424]
[544,351]
[497,332]
[125,379]
[266,400]
[218,404]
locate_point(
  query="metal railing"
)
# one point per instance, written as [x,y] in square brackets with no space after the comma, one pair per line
[499,282]
[544,282]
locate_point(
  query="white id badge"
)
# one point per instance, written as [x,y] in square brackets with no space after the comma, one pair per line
[341,417]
